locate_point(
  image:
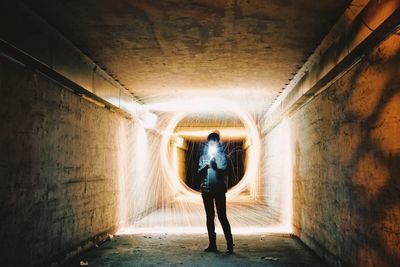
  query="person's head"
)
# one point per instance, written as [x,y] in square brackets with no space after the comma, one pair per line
[213,137]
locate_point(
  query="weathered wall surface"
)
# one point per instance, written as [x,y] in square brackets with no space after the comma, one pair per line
[25,30]
[59,168]
[346,164]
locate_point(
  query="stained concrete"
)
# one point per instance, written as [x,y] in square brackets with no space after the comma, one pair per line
[35,37]
[59,168]
[158,47]
[187,250]
[346,154]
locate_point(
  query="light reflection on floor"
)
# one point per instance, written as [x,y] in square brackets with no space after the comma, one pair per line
[245,217]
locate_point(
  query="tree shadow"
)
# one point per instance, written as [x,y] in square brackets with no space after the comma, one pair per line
[362,107]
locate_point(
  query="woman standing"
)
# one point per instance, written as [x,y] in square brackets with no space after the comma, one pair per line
[212,171]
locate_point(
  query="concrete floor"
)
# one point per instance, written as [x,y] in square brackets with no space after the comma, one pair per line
[187,250]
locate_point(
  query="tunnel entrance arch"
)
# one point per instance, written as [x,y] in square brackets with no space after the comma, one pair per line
[190,140]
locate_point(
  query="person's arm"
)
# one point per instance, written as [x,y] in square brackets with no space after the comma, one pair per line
[203,166]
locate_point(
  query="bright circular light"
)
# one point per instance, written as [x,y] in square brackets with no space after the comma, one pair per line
[212,149]
[200,105]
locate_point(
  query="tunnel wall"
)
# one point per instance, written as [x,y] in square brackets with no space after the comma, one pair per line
[275,186]
[144,188]
[58,169]
[346,164]
[22,28]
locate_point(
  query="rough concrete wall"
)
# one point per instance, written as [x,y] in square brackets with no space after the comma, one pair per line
[346,164]
[58,168]
[25,30]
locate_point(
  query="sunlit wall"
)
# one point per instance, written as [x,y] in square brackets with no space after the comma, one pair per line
[276,172]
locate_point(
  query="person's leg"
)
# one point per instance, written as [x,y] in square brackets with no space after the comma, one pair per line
[220,202]
[208,200]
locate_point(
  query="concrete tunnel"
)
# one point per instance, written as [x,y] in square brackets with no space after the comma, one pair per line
[105,105]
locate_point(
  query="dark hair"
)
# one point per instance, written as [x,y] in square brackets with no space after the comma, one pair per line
[213,136]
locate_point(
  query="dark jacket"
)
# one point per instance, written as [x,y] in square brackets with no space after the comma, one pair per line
[213,179]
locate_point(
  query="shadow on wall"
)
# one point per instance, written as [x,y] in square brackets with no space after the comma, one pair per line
[373,167]
[357,139]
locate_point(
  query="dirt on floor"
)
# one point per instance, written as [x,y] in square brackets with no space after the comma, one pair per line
[187,250]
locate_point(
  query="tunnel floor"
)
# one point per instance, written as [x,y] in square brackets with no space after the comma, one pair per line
[242,213]
[187,250]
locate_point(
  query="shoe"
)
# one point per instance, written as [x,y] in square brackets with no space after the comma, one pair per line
[229,250]
[211,249]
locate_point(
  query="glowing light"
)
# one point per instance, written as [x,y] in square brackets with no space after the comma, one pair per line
[203,230]
[245,215]
[149,120]
[175,159]
[279,184]
[155,198]
[226,133]
[180,141]
[212,149]
[202,105]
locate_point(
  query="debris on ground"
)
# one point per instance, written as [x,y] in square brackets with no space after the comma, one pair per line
[270,258]
[84,263]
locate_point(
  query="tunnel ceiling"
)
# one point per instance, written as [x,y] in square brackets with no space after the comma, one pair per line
[245,51]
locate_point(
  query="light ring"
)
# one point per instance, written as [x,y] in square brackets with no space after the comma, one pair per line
[251,173]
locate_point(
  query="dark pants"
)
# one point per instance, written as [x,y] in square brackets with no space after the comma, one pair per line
[220,203]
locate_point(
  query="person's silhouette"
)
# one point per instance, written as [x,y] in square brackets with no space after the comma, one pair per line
[212,171]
